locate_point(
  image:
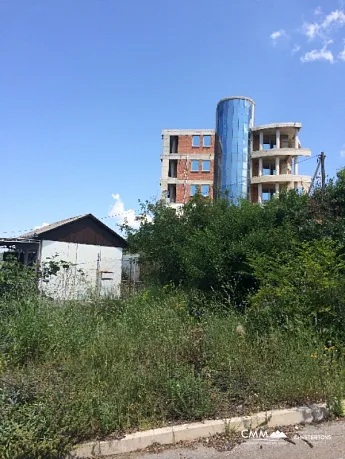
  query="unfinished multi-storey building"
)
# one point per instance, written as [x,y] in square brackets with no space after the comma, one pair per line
[274,160]
[238,160]
[187,164]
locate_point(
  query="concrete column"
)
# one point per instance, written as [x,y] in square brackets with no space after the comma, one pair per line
[260,167]
[261,134]
[277,165]
[277,189]
[278,138]
[295,164]
[260,193]
[251,169]
[296,139]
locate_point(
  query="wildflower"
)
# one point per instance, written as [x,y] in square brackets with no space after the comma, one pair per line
[240,330]
[314,356]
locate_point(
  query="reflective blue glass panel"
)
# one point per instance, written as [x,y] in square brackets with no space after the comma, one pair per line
[235,118]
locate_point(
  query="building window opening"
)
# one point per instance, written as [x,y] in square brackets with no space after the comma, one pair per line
[193,190]
[205,190]
[267,195]
[195,165]
[266,144]
[206,166]
[269,143]
[196,141]
[207,141]
[172,168]
[269,169]
[172,192]
[173,144]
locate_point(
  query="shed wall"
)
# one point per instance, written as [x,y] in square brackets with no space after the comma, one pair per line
[95,269]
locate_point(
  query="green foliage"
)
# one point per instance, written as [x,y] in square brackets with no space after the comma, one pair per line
[247,308]
[83,370]
[15,279]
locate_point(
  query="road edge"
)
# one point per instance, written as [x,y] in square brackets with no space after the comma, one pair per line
[193,431]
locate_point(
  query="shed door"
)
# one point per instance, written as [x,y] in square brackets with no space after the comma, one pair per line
[107,282]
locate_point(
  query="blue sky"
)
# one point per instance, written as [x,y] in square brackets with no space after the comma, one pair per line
[87,86]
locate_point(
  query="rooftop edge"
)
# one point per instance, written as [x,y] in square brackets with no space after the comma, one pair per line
[236,97]
[276,125]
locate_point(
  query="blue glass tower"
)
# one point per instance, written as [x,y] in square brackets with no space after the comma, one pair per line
[234,120]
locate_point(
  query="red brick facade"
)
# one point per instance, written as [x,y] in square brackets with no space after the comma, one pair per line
[254,193]
[184,170]
[185,145]
[183,193]
[184,166]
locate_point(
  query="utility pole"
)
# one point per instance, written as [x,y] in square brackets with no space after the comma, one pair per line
[323,173]
[315,175]
[320,163]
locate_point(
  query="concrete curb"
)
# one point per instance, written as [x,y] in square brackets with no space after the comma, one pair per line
[193,431]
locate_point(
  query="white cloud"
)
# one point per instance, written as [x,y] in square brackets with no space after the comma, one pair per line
[295,49]
[41,226]
[342,152]
[322,54]
[278,34]
[341,55]
[334,19]
[322,29]
[310,30]
[122,216]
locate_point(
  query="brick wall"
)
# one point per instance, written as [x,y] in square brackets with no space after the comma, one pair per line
[185,145]
[182,170]
[255,167]
[254,193]
[256,142]
[184,167]
[180,193]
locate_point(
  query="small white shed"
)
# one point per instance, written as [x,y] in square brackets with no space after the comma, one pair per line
[92,252]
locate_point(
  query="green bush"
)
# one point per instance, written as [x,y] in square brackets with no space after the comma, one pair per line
[143,362]
[246,313]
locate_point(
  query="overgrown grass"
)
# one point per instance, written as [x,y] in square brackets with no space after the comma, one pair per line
[86,370]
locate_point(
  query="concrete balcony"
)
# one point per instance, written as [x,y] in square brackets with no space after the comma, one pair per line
[281,178]
[280,152]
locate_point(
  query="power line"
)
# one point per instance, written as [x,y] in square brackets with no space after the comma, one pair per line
[123,214]
[33,229]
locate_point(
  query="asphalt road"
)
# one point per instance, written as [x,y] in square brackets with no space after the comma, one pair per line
[323,441]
